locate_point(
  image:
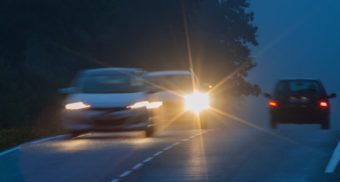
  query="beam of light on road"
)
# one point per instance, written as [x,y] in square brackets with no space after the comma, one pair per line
[197,157]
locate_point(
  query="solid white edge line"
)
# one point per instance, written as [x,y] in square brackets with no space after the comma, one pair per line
[10,150]
[333,162]
[46,139]
[31,142]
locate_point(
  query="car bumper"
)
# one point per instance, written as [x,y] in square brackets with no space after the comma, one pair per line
[89,120]
[299,115]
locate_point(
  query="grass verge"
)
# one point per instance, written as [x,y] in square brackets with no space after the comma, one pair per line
[10,137]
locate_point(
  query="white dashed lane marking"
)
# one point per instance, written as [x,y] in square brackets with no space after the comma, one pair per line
[148,159]
[158,153]
[126,173]
[167,148]
[137,166]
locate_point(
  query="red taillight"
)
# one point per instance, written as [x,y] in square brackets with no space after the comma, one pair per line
[273,103]
[323,104]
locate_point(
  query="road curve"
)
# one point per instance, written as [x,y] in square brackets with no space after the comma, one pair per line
[228,151]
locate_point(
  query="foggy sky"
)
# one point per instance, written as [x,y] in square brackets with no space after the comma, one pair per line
[297,39]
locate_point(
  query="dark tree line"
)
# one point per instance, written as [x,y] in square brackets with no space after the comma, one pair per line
[43,43]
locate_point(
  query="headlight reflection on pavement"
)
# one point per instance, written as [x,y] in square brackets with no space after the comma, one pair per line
[92,141]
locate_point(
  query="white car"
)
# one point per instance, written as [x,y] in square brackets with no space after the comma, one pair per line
[108,99]
[175,89]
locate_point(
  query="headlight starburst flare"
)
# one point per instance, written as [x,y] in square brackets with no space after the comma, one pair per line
[197,102]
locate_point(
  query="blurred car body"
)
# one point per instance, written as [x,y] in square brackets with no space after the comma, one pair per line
[299,101]
[175,89]
[107,99]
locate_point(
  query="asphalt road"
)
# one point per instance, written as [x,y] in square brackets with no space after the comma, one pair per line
[227,151]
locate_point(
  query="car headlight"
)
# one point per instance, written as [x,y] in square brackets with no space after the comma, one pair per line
[77,106]
[197,102]
[146,104]
[138,105]
[154,104]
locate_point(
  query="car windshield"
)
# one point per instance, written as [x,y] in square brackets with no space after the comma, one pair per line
[109,83]
[180,83]
[297,87]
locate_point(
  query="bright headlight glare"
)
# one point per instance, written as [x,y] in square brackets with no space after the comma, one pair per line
[148,105]
[138,105]
[197,102]
[77,106]
[154,105]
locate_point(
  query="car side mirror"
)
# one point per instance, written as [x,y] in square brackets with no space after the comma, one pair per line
[67,91]
[332,95]
[267,95]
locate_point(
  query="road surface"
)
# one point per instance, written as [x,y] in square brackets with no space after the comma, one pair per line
[228,151]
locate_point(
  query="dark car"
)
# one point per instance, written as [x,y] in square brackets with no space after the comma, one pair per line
[299,101]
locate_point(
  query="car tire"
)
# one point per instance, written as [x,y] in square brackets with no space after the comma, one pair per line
[150,131]
[325,125]
[273,124]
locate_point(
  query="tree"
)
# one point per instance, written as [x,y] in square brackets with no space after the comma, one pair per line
[150,34]
[42,44]
[222,32]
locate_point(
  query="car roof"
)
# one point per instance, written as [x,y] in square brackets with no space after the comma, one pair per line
[169,72]
[113,69]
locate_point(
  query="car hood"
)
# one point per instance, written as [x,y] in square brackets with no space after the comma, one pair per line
[108,99]
[166,96]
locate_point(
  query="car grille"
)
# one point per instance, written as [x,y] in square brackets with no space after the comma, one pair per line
[111,122]
[113,109]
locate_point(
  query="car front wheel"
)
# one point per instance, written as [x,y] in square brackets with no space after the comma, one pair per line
[150,131]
